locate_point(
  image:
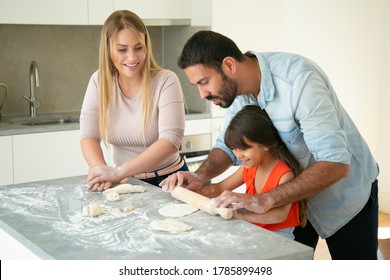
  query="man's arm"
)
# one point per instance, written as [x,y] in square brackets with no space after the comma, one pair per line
[311,181]
[216,163]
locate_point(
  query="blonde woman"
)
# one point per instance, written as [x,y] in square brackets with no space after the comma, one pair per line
[132,104]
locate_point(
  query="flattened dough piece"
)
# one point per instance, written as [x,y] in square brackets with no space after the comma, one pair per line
[177,210]
[170,225]
[125,188]
[115,212]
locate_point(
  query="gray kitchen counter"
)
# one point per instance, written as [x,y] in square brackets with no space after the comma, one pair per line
[46,217]
[7,127]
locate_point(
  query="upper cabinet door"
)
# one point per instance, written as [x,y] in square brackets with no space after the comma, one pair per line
[95,12]
[67,12]
[99,10]
[152,9]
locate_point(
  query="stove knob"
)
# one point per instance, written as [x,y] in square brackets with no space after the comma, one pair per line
[189,145]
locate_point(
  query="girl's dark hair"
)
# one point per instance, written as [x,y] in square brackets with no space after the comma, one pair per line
[208,48]
[253,123]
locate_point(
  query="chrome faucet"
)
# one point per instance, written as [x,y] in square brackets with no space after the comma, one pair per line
[34,83]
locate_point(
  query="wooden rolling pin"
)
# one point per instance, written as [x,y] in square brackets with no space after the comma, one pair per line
[199,201]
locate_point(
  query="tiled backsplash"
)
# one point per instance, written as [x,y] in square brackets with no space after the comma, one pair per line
[66,57]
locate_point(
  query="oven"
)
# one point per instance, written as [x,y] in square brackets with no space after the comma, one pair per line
[195,149]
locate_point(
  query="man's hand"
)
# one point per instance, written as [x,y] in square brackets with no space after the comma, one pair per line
[182,178]
[235,201]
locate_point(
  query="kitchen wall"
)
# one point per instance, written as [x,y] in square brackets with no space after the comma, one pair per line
[349,39]
[66,58]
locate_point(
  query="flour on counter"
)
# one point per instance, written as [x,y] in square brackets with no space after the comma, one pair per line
[54,214]
[128,208]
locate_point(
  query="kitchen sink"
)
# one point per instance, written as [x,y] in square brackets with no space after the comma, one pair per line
[44,120]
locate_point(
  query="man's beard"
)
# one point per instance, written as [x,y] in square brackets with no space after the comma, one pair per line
[227,93]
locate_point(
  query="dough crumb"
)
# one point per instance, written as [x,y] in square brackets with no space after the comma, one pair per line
[113,196]
[128,208]
[92,210]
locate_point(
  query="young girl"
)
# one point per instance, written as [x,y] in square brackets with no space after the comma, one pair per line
[266,163]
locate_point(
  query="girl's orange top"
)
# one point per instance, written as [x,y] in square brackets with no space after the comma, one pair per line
[272,182]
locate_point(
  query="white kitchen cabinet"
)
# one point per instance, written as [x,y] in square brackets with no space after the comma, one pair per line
[198,12]
[98,11]
[44,156]
[162,11]
[6,169]
[67,12]
[197,126]
[12,249]
[152,9]
[95,12]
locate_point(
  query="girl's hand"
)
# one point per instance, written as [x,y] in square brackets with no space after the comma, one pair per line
[237,201]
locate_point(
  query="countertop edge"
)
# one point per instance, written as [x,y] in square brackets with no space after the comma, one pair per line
[24,241]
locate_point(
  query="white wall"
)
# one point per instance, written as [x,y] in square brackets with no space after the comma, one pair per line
[384,114]
[347,38]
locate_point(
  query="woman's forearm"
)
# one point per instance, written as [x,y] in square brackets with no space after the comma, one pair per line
[149,159]
[92,152]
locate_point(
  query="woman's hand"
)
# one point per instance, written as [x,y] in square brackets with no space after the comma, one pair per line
[186,179]
[99,186]
[102,177]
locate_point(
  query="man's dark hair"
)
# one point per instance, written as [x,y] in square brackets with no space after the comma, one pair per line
[208,48]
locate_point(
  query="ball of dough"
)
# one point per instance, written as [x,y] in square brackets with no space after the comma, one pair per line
[92,210]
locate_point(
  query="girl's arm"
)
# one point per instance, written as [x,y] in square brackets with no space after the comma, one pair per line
[273,216]
[230,183]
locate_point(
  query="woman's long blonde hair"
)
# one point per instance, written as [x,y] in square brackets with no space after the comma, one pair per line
[116,22]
